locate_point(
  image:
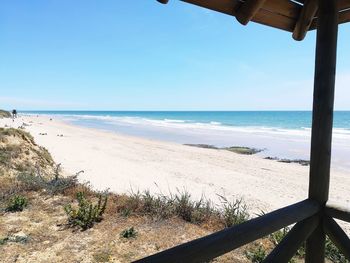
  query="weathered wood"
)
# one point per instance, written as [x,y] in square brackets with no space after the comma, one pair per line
[305,19]
[275,18]
[344,17]
[267,18]
[287,248]
[296,16]
[219,243]
[283,7]
[343,4]
[227,7]
[322,120]
[338,213]
[337,235]
[315,246]
[248,10]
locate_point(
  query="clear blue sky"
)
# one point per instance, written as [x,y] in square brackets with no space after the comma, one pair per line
[141,55]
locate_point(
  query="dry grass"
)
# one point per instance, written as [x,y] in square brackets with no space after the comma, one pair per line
[19,153]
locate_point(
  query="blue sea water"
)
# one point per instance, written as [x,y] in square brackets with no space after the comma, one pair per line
[268,119]
[283,134]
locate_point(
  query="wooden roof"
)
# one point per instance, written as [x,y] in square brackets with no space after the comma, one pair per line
[297,16]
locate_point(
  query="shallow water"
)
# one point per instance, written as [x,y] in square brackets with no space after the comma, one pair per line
[283,134]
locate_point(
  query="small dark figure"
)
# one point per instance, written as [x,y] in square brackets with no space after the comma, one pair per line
[14,114]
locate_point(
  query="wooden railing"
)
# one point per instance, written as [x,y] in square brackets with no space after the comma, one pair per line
[307,215]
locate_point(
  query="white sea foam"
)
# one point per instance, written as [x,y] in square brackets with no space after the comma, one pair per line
[212,127]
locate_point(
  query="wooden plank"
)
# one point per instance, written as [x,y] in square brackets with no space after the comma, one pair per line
[248,10]
[343,5]
[305,19]
[344,17]
[283,7]
[274,20]
[264,17]
[287,248]
[338,213]
[315,246]
[219,243]
[227,7]
[338,236]
[322,119]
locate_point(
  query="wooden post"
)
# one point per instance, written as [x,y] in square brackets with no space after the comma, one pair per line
[338,236]
[287,248]
[322,121]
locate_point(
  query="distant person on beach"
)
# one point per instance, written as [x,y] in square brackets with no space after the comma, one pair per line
[14,114]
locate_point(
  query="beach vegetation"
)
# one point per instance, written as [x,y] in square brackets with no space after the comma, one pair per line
[256,253]
[16,203]
[234,212]
[102,256]
[128,233]
[86,214]
[333,253]
[51,184]
[14,239]
[5,114]
[159,206]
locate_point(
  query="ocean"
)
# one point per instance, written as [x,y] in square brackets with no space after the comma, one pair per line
[283,134]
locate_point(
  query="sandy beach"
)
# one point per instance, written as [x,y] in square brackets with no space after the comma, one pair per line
[123,163]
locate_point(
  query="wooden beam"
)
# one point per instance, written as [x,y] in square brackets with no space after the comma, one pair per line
[322,119]
[283,7]
[343,17]
[248,10]
[219,243]
[315,246]
[338,236]
[338,213]
[343,5]
[287,248]
[227,7]
[277,19]
[305,19]
[274,20]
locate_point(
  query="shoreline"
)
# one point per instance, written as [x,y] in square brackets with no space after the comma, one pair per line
[122,163]
[280,143]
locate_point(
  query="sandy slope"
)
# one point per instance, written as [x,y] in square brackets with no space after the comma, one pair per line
[119,162]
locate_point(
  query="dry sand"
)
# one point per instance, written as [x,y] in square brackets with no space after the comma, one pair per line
[121,163]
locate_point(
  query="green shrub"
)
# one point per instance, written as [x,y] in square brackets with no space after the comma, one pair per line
[333,253]
[234,212]
[163,207]
[57,184]
[256,254]
[14,239]
[128,233]
[87,213]
[16,203]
